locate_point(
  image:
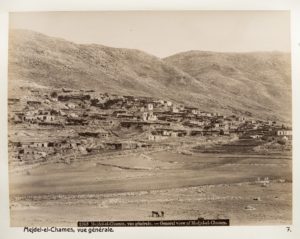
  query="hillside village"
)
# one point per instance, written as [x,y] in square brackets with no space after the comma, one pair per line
[64,124]
[135,132]
[252,84]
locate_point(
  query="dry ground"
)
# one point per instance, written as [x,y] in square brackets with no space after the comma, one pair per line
[130,187]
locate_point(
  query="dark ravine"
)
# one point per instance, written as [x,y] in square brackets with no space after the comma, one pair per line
[254,84]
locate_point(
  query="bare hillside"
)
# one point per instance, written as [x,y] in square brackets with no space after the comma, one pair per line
[253,84]
[258,82]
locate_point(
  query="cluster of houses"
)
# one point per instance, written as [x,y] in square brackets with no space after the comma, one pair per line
[102,122]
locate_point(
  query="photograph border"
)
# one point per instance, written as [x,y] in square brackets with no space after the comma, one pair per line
[7,6]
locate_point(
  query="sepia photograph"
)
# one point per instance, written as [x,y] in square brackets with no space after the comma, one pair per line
[150,116]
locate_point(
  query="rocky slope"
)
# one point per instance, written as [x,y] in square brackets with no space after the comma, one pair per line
[258,82]
[253,84]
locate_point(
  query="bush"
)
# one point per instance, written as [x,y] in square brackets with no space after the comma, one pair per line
[281,141]
[54,94]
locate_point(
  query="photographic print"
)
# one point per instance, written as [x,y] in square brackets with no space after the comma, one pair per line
[149,116]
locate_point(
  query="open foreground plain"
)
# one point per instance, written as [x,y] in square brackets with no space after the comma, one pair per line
[248,188]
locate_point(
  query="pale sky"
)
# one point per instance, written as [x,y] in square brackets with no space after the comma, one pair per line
[166,33]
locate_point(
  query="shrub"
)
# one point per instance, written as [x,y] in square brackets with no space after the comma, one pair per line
[54,94]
